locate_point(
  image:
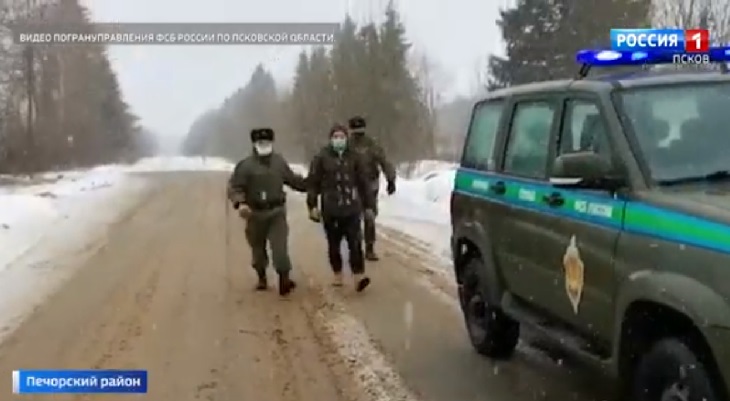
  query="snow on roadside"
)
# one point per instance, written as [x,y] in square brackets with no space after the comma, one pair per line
[420,206]
[175,163]
[27,213]
[376,377]
[29,207]
[59,214]
[43,224]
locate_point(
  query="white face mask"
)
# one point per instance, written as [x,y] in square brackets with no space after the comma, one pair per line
[264,148]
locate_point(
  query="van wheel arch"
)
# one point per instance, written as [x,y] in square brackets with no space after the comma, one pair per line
[644,324]
[464,251]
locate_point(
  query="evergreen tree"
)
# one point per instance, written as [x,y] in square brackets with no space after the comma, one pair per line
[79,114]
[527,30]
[580,29]
[303,120]
[347,67]
[225,132]
[400,113]
[320,98]
[365,73]
[543,36]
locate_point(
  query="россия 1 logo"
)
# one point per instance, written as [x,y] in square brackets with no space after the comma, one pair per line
[674,40]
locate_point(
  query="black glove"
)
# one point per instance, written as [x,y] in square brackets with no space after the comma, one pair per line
[391,187]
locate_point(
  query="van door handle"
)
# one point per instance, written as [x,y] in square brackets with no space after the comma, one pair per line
[498,188]
[555,199]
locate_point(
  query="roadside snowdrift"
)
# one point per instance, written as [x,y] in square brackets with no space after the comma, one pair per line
[60,214]
[158,164]
[420,206]
[29,207]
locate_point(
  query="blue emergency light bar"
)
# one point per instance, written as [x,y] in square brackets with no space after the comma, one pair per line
[612,58]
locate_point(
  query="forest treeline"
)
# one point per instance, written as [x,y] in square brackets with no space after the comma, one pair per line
[365,73]
[61,105]
[372,71]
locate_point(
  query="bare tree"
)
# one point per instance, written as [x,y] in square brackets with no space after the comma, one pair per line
[431,87]
[59,106]
[709,14]
[429,78]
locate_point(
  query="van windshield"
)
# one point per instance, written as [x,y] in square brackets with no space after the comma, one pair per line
[683,130]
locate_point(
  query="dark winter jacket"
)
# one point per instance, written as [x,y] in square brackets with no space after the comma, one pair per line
[341,181]
[373,156]
[258,182]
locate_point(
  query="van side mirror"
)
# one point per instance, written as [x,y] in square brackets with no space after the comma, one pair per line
[586,170]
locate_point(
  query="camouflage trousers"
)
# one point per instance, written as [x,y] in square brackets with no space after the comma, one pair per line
[269,227]
[369,224]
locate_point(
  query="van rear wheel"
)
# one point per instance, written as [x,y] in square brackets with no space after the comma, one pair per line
[491,332]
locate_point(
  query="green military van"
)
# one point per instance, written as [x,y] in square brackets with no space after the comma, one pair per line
[596,212]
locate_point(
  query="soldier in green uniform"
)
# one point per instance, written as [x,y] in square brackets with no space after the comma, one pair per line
[375,161]
[256,189]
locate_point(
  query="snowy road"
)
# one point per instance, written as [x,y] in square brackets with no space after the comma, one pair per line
[158,290]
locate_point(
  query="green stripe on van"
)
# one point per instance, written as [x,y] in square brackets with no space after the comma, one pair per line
[637,217]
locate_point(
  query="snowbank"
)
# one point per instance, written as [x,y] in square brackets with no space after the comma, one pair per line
[58,214]
[28,207]
[420,206]
[42,223]
[157,164]
[28,211]
[424,168]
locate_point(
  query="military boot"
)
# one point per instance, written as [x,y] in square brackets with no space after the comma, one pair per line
[286,284]
[370,253]
[263,283]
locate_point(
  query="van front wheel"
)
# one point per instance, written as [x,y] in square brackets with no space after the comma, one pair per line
[671,371]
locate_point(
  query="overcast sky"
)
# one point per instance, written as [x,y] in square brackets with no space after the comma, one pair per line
[169,86]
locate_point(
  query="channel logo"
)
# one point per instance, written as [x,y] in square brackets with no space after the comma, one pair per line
[673,40]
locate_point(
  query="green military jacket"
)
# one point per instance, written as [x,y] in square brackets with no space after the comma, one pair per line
[258,182]
[373,156]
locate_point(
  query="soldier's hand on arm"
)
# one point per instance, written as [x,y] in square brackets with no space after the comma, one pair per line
[314,183]
[244,211]
[295,181]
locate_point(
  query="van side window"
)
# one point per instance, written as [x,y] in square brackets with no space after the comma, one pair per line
[528,146]
[479,149]
[584,129]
